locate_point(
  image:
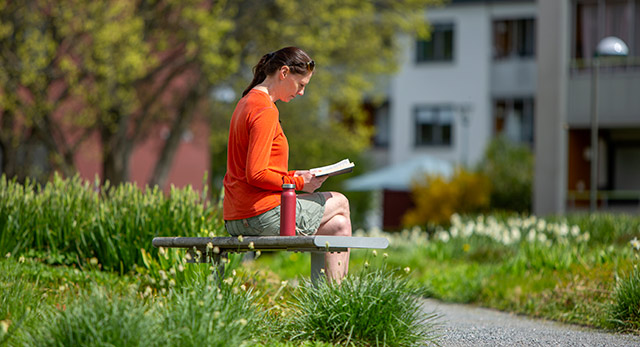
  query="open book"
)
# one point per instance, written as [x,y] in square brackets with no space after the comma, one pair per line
[343,166]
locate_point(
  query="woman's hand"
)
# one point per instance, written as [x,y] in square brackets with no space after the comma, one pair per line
[311,182]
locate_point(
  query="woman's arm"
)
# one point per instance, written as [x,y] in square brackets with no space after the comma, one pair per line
[262,133]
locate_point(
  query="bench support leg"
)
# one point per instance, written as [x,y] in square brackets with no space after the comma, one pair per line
[317,264]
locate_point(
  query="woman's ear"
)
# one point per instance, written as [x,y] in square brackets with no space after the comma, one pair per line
[284,71]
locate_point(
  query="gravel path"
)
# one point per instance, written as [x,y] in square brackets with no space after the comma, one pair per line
[463,325]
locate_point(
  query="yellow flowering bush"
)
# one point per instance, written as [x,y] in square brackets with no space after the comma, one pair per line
[437,199]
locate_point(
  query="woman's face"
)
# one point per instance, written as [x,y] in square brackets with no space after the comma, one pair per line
[293,85]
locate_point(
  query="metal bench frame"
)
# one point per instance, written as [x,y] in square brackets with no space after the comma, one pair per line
[213,249]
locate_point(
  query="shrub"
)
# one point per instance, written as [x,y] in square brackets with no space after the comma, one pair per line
[373,308]
[624,312]
[212,313]
[71,221]
[437,199]
[509,167]
[99,319]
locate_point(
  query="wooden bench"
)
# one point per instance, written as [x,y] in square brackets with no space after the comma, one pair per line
[213,249]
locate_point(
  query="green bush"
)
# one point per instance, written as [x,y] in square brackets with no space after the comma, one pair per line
[211,313]
[371,308]
[72,221]
[509,167]
[97,318]
[624,312]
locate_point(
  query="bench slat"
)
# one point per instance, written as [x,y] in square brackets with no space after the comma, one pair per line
[292,243]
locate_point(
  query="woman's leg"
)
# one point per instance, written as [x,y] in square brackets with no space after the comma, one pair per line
[336,221]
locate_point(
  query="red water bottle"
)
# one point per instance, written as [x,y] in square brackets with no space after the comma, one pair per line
[288,210]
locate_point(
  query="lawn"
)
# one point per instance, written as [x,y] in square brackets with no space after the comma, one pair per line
[78,262]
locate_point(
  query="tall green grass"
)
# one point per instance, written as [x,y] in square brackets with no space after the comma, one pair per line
[97,318]
[370,308]
[70,221]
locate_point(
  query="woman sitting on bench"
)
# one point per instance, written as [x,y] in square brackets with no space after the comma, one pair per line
[257,162]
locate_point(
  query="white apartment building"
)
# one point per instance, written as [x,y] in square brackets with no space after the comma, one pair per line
[475,77]
[524,69]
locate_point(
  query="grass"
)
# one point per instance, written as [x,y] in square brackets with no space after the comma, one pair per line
[369,308]
[76,254]
[625,308]
[70,221]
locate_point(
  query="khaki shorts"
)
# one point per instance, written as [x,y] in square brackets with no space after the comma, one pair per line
[309,212]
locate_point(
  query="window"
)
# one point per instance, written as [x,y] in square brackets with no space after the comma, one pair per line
[513,38]
[595,20]
[439,47]
[434,125]
[382,127]
[514,119]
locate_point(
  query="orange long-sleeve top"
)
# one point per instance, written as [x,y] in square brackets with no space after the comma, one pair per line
[257,159]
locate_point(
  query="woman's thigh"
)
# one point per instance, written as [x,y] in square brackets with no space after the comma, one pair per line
[310,210]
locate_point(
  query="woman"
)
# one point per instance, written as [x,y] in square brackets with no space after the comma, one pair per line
[257,162]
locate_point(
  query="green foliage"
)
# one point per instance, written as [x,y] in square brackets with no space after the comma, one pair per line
[373,307]
[72,221]
[98,318]
[211,313]
[509,168]
[126,66]
[18,302]
[607,228]
[437,199]
[625,309]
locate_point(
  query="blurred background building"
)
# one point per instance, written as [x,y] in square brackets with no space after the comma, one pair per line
[569,31]
[521,69]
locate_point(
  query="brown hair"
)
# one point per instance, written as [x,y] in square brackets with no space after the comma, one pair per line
[296,59]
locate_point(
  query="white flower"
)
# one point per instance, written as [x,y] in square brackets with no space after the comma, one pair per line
[443,236]
[542,238]
[4,326]
[542,225]
[635,243]
[407,269]
[575,231]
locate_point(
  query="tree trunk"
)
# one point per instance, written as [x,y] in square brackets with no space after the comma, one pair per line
[115,156]
[183,118]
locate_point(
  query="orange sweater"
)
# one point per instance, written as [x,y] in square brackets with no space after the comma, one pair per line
[257,159]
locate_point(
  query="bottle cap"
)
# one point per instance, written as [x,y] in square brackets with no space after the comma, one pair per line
[288,186]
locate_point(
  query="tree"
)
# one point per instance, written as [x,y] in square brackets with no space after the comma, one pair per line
[78,68]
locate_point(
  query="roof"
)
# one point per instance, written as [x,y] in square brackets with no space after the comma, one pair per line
[398,177]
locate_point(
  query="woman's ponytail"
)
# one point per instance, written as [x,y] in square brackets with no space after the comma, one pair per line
[259,73]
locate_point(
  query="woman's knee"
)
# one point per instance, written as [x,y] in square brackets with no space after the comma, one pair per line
[341,225]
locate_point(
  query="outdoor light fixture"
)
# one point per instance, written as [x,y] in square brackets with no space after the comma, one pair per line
[610,46]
